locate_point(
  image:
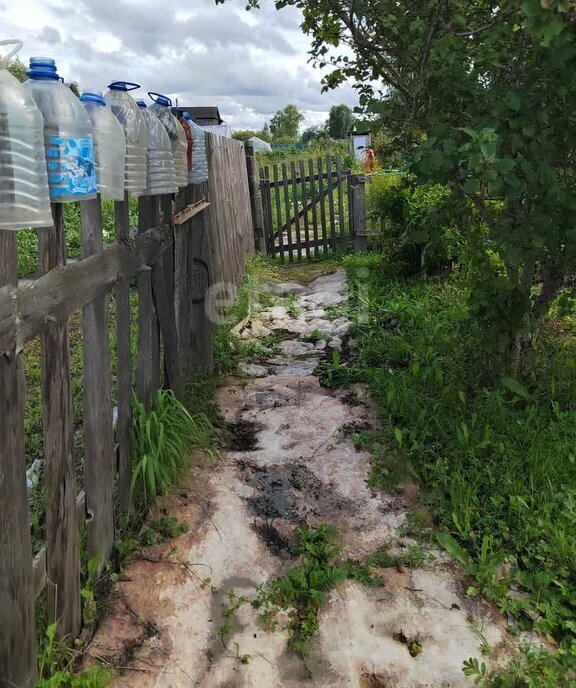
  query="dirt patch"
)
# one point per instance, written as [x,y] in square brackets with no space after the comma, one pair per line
[371,680]
[290,492]
[242,436]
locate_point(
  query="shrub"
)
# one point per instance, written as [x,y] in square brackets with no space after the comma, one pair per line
[417,231]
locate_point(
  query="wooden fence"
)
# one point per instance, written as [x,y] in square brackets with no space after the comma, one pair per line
[307,208]
[181,248]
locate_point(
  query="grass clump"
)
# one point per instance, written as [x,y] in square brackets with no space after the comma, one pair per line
[161,442]
[302,590]
[55,667]
[499,463]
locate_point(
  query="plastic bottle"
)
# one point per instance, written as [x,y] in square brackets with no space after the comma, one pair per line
[180,117]
[161,172]
[67,134]
[176,133]
[199,172]
[136,132]
[24,195]
[109,146]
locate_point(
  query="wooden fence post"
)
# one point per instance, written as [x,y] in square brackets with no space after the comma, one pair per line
[182,286]
[358,212]
[255,200]
[200,277]
[99,460]
[163,290]
[63,564]
[123,365]
[148,356]
[17,630]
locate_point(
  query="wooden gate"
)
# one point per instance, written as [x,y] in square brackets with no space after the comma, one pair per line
[306,207]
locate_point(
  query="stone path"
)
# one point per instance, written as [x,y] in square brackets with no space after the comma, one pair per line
[292,461]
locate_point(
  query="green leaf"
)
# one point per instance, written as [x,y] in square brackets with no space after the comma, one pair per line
[514,386]
[453,548]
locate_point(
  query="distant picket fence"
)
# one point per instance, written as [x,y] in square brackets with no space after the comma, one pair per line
[182,247]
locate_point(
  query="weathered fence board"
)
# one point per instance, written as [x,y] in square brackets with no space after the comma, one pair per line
[148,357]
[123,366]
[215,240]
[17,630]
[63,564]
[99,459]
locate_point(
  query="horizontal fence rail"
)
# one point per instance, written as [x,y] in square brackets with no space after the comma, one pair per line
[183,246]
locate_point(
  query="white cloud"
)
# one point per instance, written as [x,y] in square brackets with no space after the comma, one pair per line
[248,64]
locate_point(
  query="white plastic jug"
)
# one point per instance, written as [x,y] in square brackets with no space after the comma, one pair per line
[176,133]
[24,195]
[67,134]
[199,171]
[161,172]
[135,131]
[109,146]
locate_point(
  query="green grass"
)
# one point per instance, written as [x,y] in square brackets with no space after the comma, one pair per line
[499,464]
[161,442]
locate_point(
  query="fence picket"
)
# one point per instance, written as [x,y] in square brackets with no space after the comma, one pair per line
[296,208]
[288,213]
[148,356]
[322,207]
[279,222]
[123,365]
[306,211]
[331,213]
[63,566]
[314,201]
[99,459]
[18,634]
[340,186]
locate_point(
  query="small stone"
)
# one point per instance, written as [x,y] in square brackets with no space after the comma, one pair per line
[276,312]
[321,344]
[295,348]
[252,370]
[283,288]
[335,343]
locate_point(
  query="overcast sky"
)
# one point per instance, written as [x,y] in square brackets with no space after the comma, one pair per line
[249,64]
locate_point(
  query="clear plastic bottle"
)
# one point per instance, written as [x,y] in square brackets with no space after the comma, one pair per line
[176,133]
[67,134]
[161,172]
[199,172]
[180,117]
[24,195]
[109,146]
[135,131]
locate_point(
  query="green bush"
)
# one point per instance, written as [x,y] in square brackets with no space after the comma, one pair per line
[416,231]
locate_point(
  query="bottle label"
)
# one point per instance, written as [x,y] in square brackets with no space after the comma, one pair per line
[71,169]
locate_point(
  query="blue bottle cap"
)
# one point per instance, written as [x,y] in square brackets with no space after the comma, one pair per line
[42,68]
[160,99]
[123,86]
[92,97]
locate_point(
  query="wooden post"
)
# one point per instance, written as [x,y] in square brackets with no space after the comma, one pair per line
[182,286]
[358,212]
[200,276]
[163,288]
[123,366]
[17,630]
[99,459]
[63,558]
[255,200]
[148,356]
